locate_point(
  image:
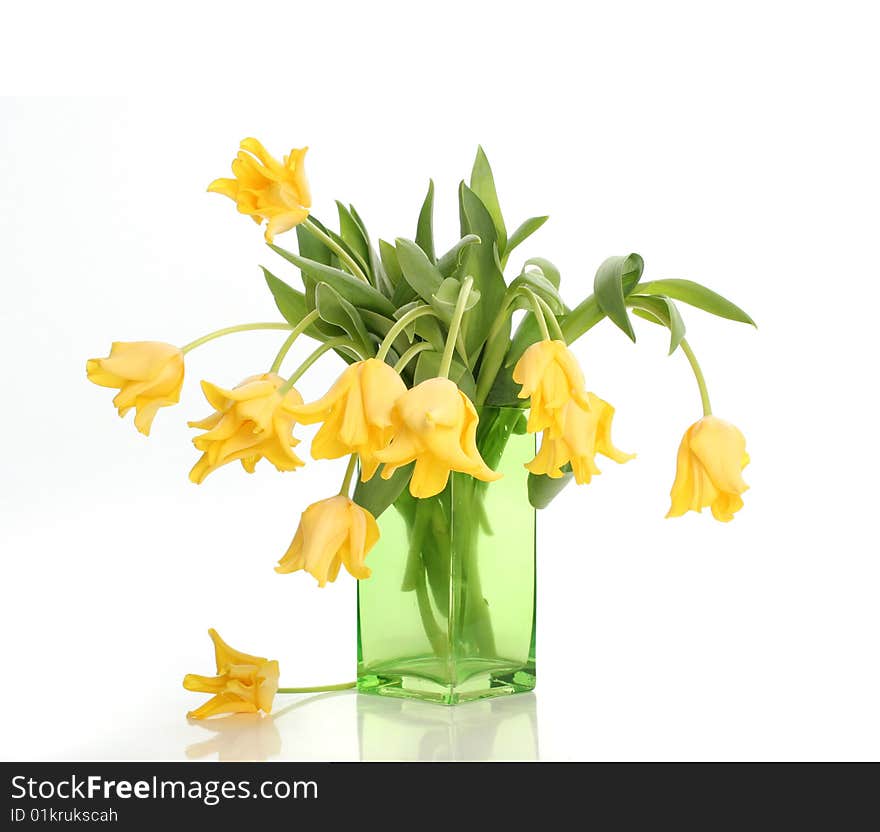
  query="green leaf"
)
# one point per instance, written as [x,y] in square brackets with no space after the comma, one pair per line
[483,185]
[615,279]
[376,323]
[353,235]
[292,304]
[428,365]
[355,291]
[418,271]
[547,269]
[696,295]
[481,262]
[522,233]
[425,227]
[445,298]
[449,264]
[542,489]
[535,280]
[664,311]
[311,247]
[389,261]
[335,309]
[376,271]
[377,494]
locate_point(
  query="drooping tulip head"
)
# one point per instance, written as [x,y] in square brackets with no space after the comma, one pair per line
[332,533]
[266,189]
[551,377]
[148,375]
[435,425]
[243,684]
[251,422]
[711,459]
[356,413]
[585,432]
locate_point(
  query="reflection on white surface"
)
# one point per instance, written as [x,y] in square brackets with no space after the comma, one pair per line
[494,729]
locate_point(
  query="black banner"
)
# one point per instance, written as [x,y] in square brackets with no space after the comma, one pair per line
[226,795]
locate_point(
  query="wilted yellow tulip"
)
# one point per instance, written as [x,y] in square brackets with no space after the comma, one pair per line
[148,375]
[711,458]
[267,189]
[585,433]
[550,375]
[250,422]
[356,412]
[243,684]
[332,533]
[435,424]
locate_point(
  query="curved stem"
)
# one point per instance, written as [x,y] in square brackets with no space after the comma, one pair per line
[550,315]
[298,330]
[349,472]
[228,330]
[337,249]
[319,688]
[412,352]
[539,312]
[698,374]
[332,344]
[454,326]
[402,323]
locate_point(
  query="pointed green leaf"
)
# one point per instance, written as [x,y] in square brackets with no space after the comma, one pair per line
[450,262]
[446,297]
[377,494]
[482,263]
[522,233]
[664,311]
[418,271]
[353,235]
[389,261]
[696,295]
[335,309]
[292,305]
[542,489]
[547,269]
[310,246]
[615,279]
[483,185]
[375,270]
[425,227]
[535,280]
[355,291]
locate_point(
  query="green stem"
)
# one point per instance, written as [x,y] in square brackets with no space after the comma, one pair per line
[698,374]
[298,330]
[454,326]
[219,333]
[340,252]
[539,312]
[402,323]
[549,315]
[319,688]
[349,472]
[332,344]
[412,352]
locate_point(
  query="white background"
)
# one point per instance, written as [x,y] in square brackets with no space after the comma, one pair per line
[732,145]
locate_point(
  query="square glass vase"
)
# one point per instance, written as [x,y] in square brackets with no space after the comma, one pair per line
[448,615]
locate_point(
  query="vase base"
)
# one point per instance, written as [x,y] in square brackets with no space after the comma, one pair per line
[478,679]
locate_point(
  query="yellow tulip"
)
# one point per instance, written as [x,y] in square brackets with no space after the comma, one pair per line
[550,375]
[435,424]
[585,433]
[356,413]
[332,533]
[711,458]
[243,684]
[267,189]
[148,375]
[250,422]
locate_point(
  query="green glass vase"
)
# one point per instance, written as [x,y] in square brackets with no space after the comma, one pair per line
[448,614]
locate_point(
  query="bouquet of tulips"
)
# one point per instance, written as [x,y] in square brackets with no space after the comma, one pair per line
[429,340]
